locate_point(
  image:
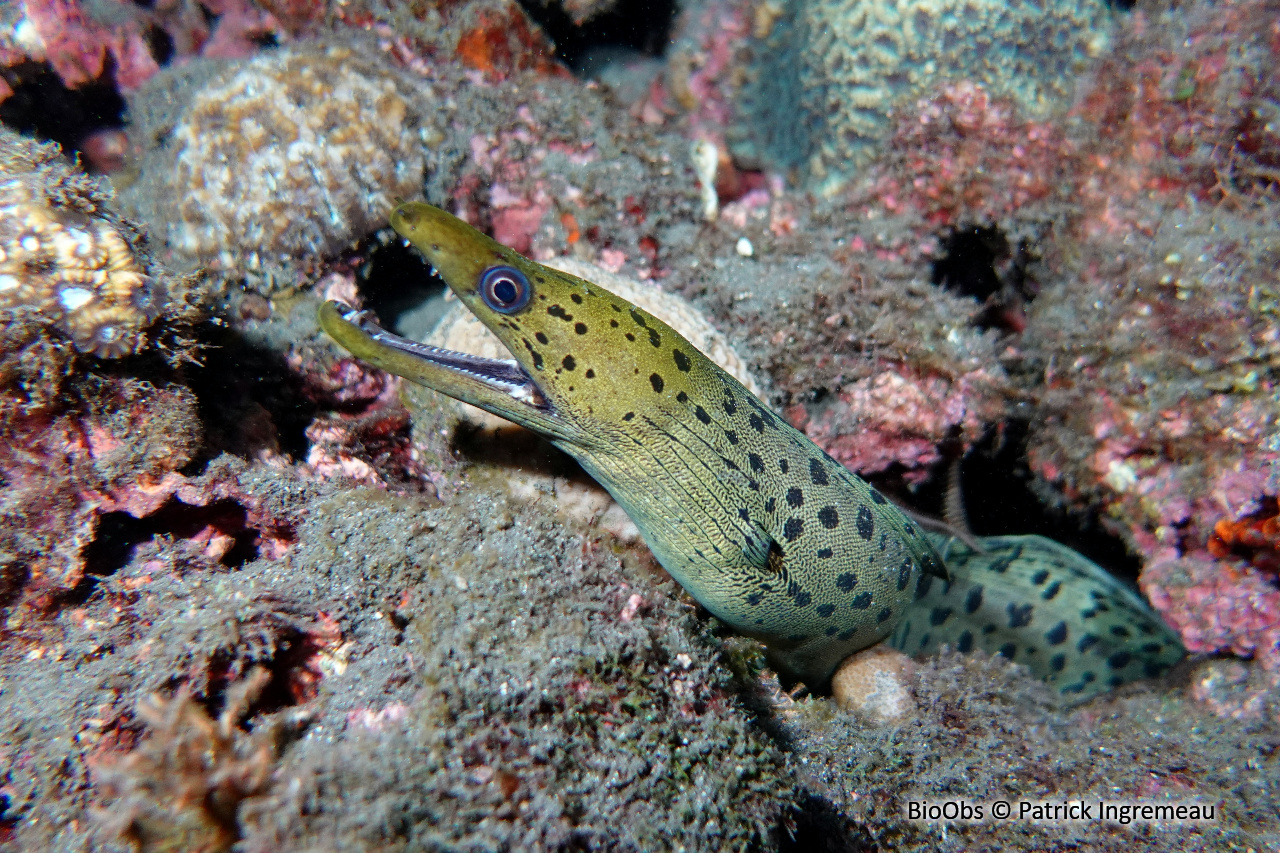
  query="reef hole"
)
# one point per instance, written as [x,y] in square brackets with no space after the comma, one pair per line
[14,574]
[641,26]
[41,106]
[979,261]
[999,500]
[160,43]
[291,657]
[248,396]
[221,529]
[8,822]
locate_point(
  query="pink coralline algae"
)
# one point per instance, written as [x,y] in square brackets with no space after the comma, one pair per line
[518,194]
[1159,409]
[360,431]
[362,419]
[1218,605]
[897,418]
[82,49]
[1183,104]
[964,155]
[58,470]
[77,47]
[64,473]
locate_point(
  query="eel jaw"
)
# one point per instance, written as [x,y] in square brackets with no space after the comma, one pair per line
[504,376]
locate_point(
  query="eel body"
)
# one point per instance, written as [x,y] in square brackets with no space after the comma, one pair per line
[1044,605]
[760,525]
[768,532]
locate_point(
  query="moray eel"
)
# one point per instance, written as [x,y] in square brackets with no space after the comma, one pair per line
[1043,605]
[763,528]
[768,532]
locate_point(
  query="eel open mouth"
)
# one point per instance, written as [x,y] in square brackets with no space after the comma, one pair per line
[506,376]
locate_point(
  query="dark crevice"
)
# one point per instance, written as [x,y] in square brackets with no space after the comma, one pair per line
[979,261]
[160,44]
[240,382]
[294,649]
[119,533]
[999,500]
[818,826]
[41,106]
[968,262]
[14,574]
[398,287]
[639,25]
[264,40]
[8,820]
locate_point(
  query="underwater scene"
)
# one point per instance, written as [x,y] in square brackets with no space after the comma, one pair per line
[639,425]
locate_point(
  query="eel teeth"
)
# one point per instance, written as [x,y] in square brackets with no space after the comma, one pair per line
[505,375]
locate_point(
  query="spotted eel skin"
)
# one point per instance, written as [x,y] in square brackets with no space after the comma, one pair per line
[1038,602]
[768,532]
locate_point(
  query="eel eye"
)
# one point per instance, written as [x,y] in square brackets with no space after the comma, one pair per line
[505,289]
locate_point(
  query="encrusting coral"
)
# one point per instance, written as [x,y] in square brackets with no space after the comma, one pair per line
[284,160]
[66,262]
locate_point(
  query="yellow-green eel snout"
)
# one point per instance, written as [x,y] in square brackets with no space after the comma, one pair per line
[763,528]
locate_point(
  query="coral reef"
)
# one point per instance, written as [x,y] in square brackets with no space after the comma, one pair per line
[127,44]
[470,672]
[80,431]
[551,168]
[78,48]
[67,262]
[826,76]
[1181,105]
[1156,330]
[872,361]
[546,699]
[167,620]
[286,159]
[1162,408]
[965,155]
[1218,605]
[708,49]
[474,651]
